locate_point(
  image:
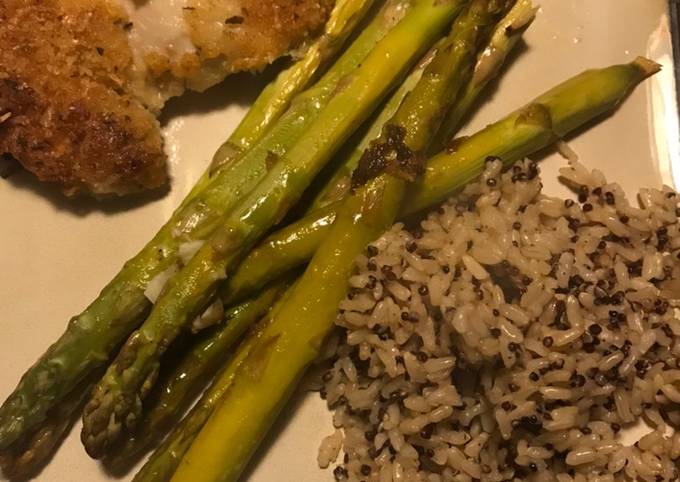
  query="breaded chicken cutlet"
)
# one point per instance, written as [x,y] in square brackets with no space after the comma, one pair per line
[82,81]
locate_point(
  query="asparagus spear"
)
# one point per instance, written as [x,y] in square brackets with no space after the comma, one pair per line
[399,151]
[116,400]
[92,335]
[505,37]
[555,114]
[291,246]
[196,367]
[537,125]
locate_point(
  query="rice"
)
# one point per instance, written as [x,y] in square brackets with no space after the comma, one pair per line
[513,336]
[329,449]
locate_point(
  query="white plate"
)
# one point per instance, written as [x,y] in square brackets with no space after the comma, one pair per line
[55,254]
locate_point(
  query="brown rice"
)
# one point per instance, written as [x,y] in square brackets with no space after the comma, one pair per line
[514,336]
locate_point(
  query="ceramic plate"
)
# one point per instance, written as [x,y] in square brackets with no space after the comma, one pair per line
[56,254]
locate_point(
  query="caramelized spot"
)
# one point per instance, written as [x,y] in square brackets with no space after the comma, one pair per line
[388,154]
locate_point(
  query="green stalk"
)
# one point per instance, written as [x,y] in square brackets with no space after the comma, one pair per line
[192,373]
[116,401]
[290,246]
[539,124]
[165,459]
[555,114]
[505,37]
[93,335]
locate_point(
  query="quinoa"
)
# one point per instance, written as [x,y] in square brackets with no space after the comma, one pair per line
[513,336]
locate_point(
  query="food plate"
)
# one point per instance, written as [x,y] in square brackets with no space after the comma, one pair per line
[56,254]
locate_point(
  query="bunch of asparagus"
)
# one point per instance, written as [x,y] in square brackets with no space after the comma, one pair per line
[213,254]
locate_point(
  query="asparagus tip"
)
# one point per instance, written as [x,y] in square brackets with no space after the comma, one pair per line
[647,67]
[521,16]
[30,456]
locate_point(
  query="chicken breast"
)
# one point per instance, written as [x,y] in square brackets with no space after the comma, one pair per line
[82,81]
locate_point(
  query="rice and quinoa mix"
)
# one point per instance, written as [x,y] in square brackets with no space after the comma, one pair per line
[514,336]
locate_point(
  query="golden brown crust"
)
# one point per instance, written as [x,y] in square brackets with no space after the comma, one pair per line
[241,35]
[66,141]
[62,71]
[252,33]
[65,79]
